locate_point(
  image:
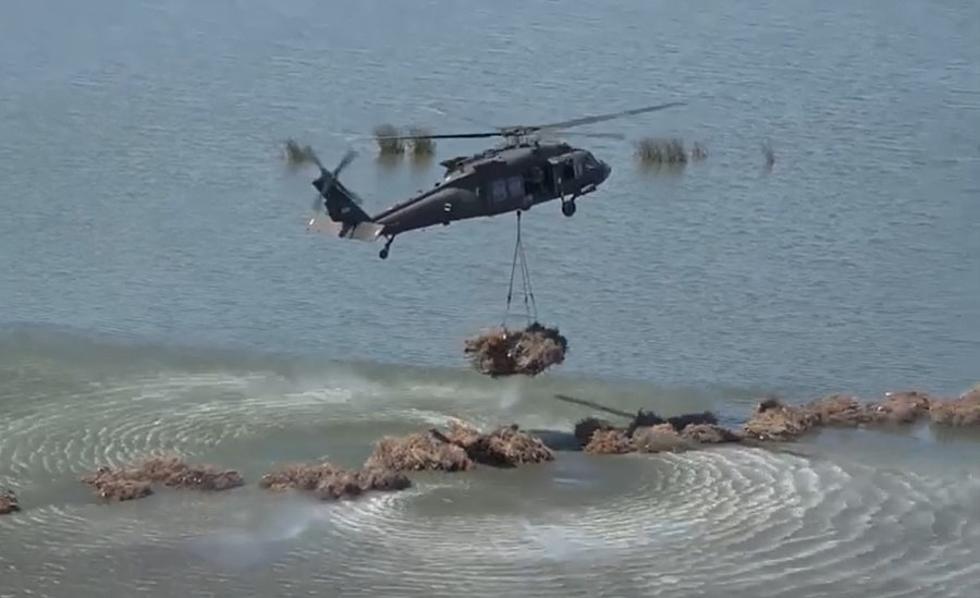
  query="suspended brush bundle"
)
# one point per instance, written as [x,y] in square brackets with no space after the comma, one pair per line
[501,351]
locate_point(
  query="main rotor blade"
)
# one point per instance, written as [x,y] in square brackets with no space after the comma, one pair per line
[587,120]
[438,136]
[618,136]
[518,130]
[503,133]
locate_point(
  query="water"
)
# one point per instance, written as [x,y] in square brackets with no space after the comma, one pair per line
[159,291]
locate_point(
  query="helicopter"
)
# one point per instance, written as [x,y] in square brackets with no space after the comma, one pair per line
[521,173]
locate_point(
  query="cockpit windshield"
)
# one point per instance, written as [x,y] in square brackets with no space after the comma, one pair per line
[590,162]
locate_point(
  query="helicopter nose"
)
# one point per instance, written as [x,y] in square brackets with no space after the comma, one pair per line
[606,171]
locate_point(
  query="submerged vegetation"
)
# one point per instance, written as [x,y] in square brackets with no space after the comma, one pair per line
[422,148]
[769,154]
[652,150]
[383,134]
[671,152]
[390,150]
[297,155]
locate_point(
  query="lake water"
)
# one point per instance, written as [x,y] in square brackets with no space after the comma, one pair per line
[158,289]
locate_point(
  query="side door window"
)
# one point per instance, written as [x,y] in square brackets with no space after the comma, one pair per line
[515,186]
[498,191]
[534,181]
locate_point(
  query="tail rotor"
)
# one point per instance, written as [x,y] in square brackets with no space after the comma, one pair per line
[298,156]
[328,179]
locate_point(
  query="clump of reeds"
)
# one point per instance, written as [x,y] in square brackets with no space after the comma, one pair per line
[653,150]
[768,153]
[385,136]
[422,147]
[297,155]
[698,152]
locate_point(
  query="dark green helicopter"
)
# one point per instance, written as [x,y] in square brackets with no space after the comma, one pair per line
[523,172]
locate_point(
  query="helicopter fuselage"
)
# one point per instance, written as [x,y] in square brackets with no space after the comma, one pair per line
[499,181]
[487,184]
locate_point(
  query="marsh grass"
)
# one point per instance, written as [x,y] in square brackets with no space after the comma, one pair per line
[768,153]
[698,152]
[297,155]
[654,150]
[387,146]
[422,148]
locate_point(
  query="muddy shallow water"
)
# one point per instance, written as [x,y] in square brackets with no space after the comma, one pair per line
[841,512]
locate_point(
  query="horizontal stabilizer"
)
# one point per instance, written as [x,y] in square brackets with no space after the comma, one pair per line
[362,231]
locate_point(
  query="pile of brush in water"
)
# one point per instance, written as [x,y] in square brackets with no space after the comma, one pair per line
[458,449]
[774,420]
[129,483]
[8,502]
[503,352]
[650,433]
[327,481]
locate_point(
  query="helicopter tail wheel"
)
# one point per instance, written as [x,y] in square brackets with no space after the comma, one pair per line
[568,207]
[383,254]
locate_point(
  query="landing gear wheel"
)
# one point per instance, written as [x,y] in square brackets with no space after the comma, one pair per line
[568,207]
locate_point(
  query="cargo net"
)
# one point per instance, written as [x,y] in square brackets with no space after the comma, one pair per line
[502,351]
